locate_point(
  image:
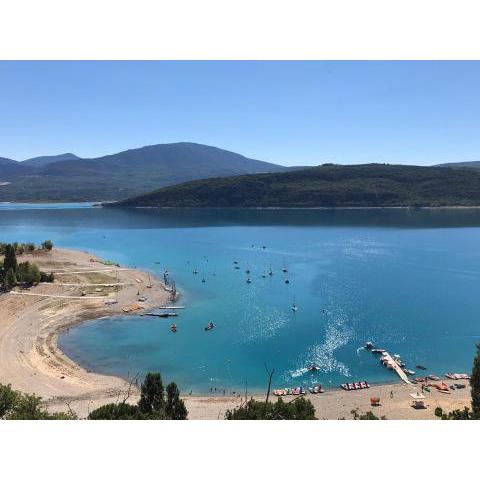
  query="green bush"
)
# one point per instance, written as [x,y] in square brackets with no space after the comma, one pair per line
[152,404]
[47,245]
[15,405]
[298,409]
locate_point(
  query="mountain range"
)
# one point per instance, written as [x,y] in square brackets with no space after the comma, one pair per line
[67,177]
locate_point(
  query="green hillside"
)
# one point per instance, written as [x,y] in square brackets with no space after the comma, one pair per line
[372,185]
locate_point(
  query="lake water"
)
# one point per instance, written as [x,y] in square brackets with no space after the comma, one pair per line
[407,280]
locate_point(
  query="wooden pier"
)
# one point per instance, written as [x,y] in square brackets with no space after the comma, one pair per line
[397,368]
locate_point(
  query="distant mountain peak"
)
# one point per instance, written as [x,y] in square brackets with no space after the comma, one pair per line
[47,159]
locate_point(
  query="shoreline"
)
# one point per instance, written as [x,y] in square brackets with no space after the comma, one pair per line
[32,361]
[112,203]
[30,357]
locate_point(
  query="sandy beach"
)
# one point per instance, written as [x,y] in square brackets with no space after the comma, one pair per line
[30,360]
[31,320]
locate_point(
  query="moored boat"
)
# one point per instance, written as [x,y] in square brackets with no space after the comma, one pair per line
[316,389]
[355,386]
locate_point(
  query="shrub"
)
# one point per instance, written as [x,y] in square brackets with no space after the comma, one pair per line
[298,409]
[21,406]
[151,406]
[47,245]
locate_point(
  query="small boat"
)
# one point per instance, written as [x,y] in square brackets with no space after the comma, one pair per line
[313,368]
[433,377]
[294,308]
[210,326]
[235,262]
[316,389]
[270,273]
[287,280]
[368,346]
[203,280]
[166,315]
[264,275]
[280,392]
[237,267]
[195,271]
[173,328]
[409,372]
[355,386]
[377,351]
[249,280]
[457,376]
[420,367]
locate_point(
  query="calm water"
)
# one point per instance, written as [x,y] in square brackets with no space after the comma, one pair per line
[409,281]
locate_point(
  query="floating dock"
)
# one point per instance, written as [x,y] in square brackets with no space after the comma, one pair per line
[397,368]
[165,307]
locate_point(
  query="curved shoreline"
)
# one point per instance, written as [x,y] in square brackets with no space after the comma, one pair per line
[30,358]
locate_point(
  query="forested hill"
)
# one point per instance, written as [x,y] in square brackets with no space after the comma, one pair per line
[67,177]
[371,185]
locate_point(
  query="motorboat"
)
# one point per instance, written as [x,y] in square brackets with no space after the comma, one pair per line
[210,326]
[173,328]
[313,368]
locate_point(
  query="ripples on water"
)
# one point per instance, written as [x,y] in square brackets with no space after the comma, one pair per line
[406,280]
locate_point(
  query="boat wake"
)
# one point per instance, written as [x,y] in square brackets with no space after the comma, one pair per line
[337,334]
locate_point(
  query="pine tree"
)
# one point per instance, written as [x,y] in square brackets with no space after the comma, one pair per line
[475,384]
[175,408]
[152,398]
[10,261]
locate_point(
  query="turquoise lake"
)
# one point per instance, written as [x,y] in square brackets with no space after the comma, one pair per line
[407,280]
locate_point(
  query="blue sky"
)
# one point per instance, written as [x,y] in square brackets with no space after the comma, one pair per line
[292,113]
